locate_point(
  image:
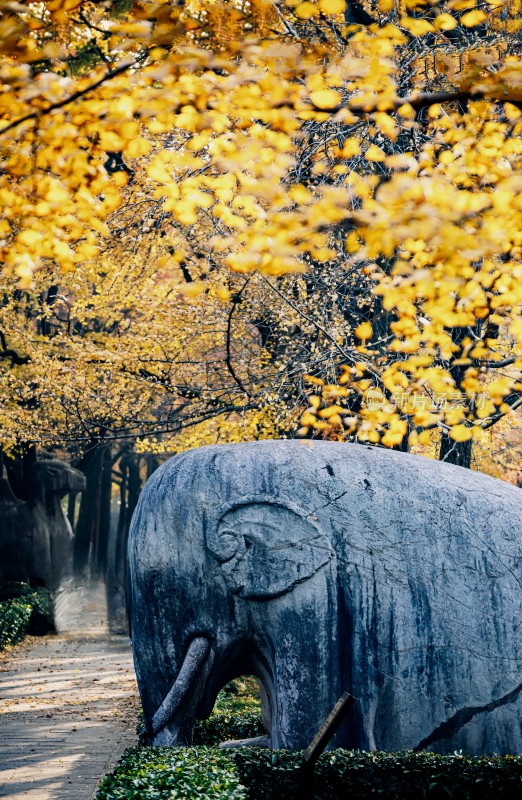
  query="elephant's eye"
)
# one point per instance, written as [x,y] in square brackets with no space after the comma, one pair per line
[228,543]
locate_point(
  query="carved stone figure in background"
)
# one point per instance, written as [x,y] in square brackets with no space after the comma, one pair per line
[35,536]
[323,567]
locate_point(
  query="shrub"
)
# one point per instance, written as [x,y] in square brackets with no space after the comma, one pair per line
[253,774]
[223,725]
[23,610]
[173,773]
[256,774]
[240,695]
[14,620]
[356,775]
[236,715]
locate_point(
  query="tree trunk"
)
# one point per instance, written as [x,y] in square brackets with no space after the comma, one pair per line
[152,464]
[131,487]
[134,486]
[117,589]
[453,452]
[458,453]
[103,533]
[89,515]
[19,471]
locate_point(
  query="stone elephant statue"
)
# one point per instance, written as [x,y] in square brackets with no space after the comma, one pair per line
[35,536]
[323,567]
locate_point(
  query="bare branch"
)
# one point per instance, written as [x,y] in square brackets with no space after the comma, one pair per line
[228,360]
[112,73]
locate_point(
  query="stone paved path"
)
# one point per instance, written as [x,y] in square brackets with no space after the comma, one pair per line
[68,706]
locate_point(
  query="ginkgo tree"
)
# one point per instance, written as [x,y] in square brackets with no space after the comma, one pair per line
[279,139]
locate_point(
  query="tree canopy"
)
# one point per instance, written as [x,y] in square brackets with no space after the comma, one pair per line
[253,207]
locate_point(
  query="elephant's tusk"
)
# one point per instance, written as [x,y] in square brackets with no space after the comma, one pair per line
[190,670]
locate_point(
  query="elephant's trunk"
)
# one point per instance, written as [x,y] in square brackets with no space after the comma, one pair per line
[183,687]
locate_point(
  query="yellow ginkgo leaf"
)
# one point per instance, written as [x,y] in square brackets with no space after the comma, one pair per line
[462,5]
[306,11]
[320,425]
[417,27]
[444,22]
[137,147]
[364,331]
[473,18]
[25,276]
[425,437]
[139,30]
[461,433]
[56,194]
[193,289]
[30,238]
[300,194]
[157,172]
[120,178]
[308,418]
[422,417]
[511,111]
[407,111]
[396,433]
[374,153]
[455,415]
[313,379]
[63,5]
[326,99]
[351,147]
[332,6]
[222,294]
[326,413]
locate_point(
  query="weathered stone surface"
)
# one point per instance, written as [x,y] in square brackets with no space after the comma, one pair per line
[327,567]
[35,536]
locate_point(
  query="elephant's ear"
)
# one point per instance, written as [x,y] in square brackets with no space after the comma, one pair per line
[265,549]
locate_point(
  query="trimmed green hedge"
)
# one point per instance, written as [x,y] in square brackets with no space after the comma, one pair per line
[254,774]
[224,725]
[22,610]
[356,775]
[174,774]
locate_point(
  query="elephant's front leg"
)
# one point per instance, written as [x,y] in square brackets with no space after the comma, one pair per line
[280,570]
[173,721]
[299,661]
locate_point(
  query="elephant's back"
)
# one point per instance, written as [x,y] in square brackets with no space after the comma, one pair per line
[406,516]
[307,472]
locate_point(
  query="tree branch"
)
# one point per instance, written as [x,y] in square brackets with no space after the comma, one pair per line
[112,73]
[228,360]
[421,100]
[515,403]
[506,362]
[289,27]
